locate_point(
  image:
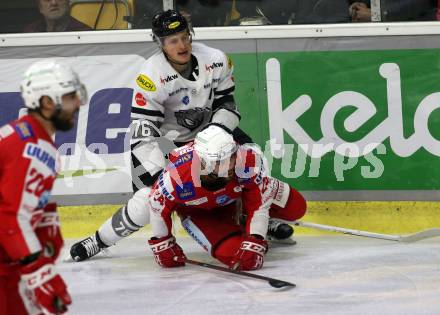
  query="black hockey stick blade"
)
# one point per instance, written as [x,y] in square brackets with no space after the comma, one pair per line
[276,283]
[280,283]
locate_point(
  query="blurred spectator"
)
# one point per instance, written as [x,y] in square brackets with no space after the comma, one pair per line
[295,11]
[204,12]
[55,18]
[438,10]
[320,11]
[395,10]
[199,12]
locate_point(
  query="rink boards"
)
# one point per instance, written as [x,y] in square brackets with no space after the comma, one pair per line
[387,217]
[341,112]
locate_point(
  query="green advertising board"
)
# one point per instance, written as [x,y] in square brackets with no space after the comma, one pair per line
[349,120]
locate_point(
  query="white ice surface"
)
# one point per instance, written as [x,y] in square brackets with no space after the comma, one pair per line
[334,275]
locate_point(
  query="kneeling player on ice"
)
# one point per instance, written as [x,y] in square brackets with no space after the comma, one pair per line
[202,184]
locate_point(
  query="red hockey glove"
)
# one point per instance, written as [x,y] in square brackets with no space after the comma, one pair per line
[250,255]
[48,232]
[167,252]
[48,290]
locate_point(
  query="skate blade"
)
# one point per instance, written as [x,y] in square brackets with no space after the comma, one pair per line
[287,241]
[67,258]
[105,252]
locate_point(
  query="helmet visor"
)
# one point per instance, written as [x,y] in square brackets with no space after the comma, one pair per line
[81,92]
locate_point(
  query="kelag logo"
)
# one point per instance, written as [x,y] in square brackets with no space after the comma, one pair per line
[108,119]
[392,127]
[354,122]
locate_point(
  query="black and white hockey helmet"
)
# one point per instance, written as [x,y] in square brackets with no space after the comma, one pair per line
[169,22]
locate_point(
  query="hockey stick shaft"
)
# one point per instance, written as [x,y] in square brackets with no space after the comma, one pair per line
[346,231]
[273,282]
[389,237]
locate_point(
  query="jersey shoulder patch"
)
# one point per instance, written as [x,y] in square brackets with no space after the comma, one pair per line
[24,130]
[186,191]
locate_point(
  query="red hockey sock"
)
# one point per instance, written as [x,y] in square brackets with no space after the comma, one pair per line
[294,209]
[226,250]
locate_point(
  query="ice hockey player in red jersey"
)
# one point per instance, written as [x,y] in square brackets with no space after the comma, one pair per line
[202,184]
[30,239]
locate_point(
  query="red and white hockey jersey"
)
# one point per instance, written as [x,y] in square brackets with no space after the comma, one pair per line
[28,161]
[179,186]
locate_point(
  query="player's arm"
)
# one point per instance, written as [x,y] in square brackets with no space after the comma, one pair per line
[256,198]
[225,111]
[18,202]
[258,193]
[147,115]
[21,225]
[163,244]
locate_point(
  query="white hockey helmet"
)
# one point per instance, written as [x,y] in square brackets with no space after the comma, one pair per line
[214,144]
[50,78]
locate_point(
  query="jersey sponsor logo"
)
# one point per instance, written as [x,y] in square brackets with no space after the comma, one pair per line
[6,131]
[177,91]
[140,99]
[168,78]
[222,200]
[33,151]
[192,118]
[196,234]
[230,64]
[186,191]
[163,188]
[157,201]
[282,194]
[185,100]
[197,202]
[207,85]
[185,158]
[215,80]
[145,83]
[237,189]
[214,65]
[24,130]
[184,149]
[173,25]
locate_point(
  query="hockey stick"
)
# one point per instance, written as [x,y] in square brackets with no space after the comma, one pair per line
[273,282]
[390,237]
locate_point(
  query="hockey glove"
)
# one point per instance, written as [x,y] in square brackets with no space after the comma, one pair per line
[250,255]
[48,232]
[48,290]
[167,252]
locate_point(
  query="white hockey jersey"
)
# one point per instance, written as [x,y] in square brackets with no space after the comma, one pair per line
[174,103]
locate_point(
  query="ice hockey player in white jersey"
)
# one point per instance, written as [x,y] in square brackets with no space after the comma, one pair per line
[179,91]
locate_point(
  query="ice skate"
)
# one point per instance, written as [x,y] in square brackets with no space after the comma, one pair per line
[280,232]
[87,248]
